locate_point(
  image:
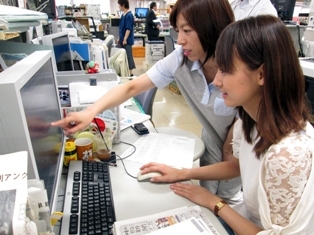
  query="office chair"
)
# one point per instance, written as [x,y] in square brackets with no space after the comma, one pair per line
[109,41]
[146,100]
[169,43]
[119,61]
[114,30]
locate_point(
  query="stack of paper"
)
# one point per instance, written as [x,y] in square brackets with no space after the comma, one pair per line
[20,19]
[184,220]
[172,150]
[129,117]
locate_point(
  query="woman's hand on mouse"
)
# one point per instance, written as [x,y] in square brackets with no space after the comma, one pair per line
[169,174]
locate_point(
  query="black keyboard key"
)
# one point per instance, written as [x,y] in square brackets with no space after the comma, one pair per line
[73,224]
[73,230]
[74,219]
[77,176]
[109,212]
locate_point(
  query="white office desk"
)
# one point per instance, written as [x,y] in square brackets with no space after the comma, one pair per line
[132,198]
[307,67]
[199,144]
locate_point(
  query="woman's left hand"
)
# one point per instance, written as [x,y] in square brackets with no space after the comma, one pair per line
[196,194]
[124,42]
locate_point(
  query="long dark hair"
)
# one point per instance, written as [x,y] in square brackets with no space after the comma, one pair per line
[207,17]
[265,40]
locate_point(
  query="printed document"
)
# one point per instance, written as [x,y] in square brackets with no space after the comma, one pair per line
[189,226]
[161,221]
[172,150]
[129,117]
[13,193]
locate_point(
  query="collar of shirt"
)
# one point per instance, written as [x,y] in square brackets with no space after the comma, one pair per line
[253,2]
[250,2]
[196,65]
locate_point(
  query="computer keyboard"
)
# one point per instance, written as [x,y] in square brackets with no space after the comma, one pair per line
[88,204]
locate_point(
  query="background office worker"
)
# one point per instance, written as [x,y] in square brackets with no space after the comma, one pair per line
[152,28]
[273,140]
[246,8]
[126,32]
[193,67]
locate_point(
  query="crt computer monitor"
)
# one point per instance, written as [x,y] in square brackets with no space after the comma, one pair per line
[29,103]
[141,12]
[61,48]
[284,9]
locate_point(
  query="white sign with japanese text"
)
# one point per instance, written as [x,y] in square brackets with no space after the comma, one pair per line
[13,193]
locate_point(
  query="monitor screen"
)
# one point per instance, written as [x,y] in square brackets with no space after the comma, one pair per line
[119,13]
[284,9]
[31,103]
[115,22]
[141,13]
[62,50]
[39,113]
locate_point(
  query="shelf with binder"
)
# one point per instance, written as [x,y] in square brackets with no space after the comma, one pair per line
[85,21]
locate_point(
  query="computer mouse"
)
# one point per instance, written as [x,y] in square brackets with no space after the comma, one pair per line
[146,177]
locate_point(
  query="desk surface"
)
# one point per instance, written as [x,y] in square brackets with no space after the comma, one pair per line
[199,144]
[307,67]
[132,198]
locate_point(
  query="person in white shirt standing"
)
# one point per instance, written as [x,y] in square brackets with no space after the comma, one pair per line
[245,8]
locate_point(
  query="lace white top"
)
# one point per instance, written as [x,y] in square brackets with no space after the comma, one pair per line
[278,189]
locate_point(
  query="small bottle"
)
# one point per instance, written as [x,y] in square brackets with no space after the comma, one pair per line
[70,153]
[70,138]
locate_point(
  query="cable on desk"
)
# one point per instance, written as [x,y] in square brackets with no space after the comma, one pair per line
[126,171]
[112,161]
[121,159]
[132,145]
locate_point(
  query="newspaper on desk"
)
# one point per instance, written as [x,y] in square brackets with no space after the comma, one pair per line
[155,222]
[13,193]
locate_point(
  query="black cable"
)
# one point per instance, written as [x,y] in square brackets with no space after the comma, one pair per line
[130,153]
[300,54]
[101,135]
[126,171]
[112,161]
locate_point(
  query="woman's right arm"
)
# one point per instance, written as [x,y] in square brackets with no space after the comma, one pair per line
[76,121]
[219,171]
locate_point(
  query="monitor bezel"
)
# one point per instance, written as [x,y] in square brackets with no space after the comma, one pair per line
[47,40]
[11,82]
[289,6]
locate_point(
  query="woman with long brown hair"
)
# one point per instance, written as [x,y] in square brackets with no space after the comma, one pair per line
[259,72]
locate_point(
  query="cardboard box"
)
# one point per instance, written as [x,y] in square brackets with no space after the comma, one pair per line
[138,51]
[174,88]
[84,21]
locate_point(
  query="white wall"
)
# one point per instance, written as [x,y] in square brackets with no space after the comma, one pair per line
[104,4]
[133,3]
[111,6]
